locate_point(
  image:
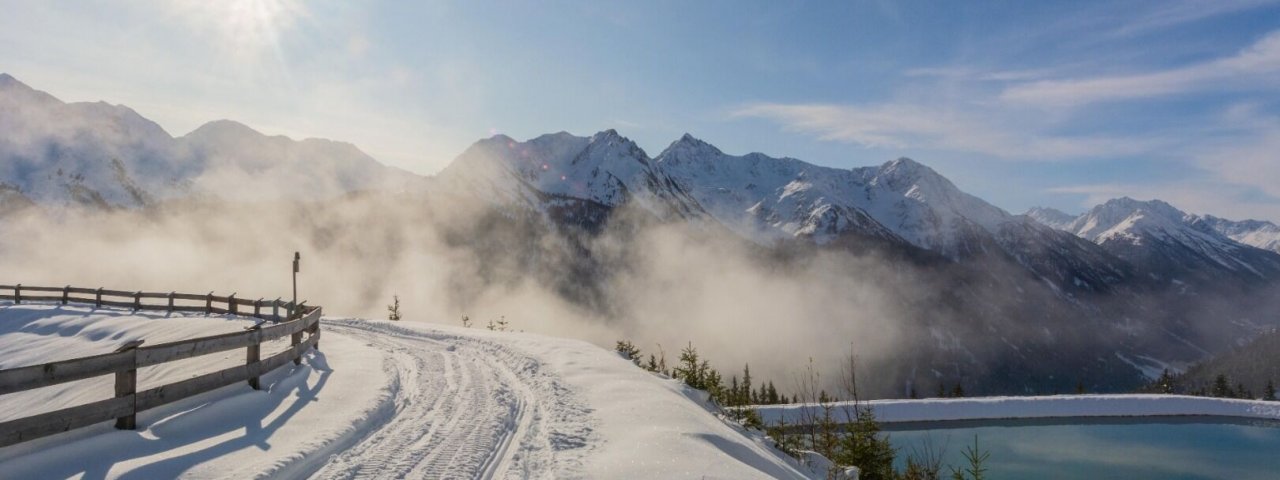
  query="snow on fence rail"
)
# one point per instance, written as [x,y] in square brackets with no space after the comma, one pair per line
[125,361]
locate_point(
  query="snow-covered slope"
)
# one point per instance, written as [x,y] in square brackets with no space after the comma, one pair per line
[382,400]
[102,155]
[766,197]
[605,170]
[1052,217]
[1166,241]
[1255,233]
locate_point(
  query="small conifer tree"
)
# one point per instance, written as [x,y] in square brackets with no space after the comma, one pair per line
[629,351]
[1165,383]
[1221,388]
[393,310]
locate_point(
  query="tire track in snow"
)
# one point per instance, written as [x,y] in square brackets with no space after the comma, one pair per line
[466,408]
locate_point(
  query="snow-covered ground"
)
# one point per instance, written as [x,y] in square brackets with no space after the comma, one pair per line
[1056,406]
[382,400]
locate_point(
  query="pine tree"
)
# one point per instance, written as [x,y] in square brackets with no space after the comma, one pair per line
[466,321]
[1269,393]
[502,324]
[653,364]
[1164,384]
[393,310]
[1080,387]
[958,391]
[976,458]
[662,361]
[746,384]
[687,368]
[942,391]
[1221,388]
[714,384]
[862,446]
[628,351]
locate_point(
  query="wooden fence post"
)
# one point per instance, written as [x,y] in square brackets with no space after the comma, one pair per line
[127,385]
[275,310]
[231,304]
[296,340]
[208,304]
[65,292]
[252,357]
[137,301]
[17,293]
[171,302]
[257,308]
[97,301]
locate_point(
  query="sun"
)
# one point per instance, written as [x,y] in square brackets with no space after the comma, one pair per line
[248,28]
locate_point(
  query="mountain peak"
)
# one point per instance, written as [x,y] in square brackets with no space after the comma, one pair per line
[7,80]
[1052,217]
[903,166]
[1127,206]
[689,147]
[14,90]
[223,129]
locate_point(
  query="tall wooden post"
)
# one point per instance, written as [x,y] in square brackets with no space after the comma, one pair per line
[17,293]
[297,258]
[171,302]
[252,357]
[127,386]
[66,291]
[97,299]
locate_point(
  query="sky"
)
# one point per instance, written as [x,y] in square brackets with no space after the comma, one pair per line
[1061,104]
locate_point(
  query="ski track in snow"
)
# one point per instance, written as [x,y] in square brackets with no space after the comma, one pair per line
[463,408]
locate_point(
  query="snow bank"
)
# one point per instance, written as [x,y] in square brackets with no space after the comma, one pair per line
[303,414]
[1057,406]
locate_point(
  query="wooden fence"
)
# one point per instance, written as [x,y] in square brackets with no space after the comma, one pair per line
[279,319]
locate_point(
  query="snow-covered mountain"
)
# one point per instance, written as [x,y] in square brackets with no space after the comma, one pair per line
[106,156]
[1256,233]
[567,176]
[764,197]
[1052,217]
[1168,242]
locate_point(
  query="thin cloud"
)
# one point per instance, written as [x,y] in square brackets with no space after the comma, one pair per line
[1172,14]
[900,126]
[1253,67]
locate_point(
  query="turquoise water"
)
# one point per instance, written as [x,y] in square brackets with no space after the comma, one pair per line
[1165,448]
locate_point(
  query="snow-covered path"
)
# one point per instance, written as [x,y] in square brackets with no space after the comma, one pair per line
[379,400]
[463,409]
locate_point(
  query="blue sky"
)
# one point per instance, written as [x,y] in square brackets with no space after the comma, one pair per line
[1062,104]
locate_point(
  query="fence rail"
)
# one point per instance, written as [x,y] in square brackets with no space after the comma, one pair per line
[286,319]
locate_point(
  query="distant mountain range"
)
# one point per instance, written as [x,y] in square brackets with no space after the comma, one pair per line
[1021,303]
[108,156]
